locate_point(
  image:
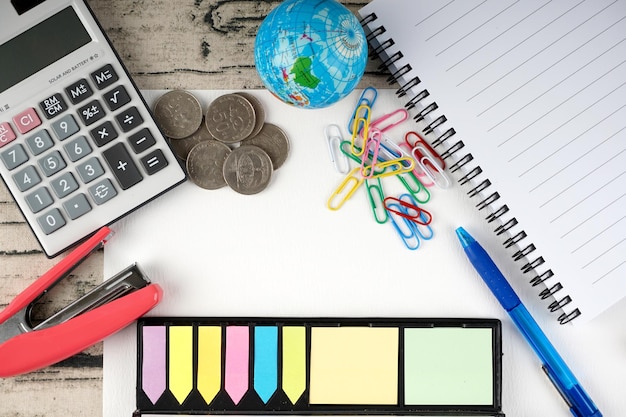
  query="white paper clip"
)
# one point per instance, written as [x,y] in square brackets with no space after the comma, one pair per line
[431,167]
[338,158]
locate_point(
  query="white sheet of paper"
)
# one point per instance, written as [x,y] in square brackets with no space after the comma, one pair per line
[282,252]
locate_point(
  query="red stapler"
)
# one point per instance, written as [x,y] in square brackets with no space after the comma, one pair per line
[109,307]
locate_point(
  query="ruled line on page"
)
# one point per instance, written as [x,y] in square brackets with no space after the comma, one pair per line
[443,28]
[597,258]
[593,215]
[498,35]
[597,235]
[527,38]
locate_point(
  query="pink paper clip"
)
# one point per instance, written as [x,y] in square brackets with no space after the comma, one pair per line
[424,148]
[372,146]
[400,115]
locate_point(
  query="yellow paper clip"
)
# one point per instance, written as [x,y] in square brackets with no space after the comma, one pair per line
[376,197]
[346,189]
[337,157]
[360,128]
[397,166]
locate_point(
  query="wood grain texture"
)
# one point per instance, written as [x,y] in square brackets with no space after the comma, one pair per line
[190,44]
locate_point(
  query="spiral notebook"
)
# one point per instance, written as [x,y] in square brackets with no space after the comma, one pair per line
[525,100]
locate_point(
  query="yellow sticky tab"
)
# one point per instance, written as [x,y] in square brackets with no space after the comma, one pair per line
[181,361]
[209,361]
[294,362]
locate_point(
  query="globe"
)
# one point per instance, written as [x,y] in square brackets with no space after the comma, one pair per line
[310,53]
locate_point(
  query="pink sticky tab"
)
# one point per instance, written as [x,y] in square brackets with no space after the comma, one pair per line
[6,134]
[26,120]
[237,355]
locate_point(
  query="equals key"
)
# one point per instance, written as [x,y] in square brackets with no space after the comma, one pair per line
[122,165]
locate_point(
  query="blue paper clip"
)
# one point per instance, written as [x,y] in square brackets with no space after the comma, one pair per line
[376,197]
[337,157]
[368,97]
[419,229]
[404,228]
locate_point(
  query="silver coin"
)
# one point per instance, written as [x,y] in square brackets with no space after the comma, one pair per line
[248,169]
[230,118]
[178,113]
[182,147]
[259,112]
[273,140]
[205,164]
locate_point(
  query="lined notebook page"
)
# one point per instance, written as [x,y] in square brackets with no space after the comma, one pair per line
[535,89]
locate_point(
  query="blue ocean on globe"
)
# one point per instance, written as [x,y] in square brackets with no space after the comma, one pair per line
[310,53]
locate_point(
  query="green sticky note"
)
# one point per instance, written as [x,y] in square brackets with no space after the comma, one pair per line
[448,366]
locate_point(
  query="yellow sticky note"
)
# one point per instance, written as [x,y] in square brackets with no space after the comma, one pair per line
[354,365]
[209,361]
[294,362]
[181,361]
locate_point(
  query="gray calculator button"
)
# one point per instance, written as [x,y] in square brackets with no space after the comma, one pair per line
[52,163]
[90,170]
[39,142]
[65,127]
[64,185]
[39,199]
[77,206]
[51,221]
[77,149]
[27,178]
[102,192]
[14,156]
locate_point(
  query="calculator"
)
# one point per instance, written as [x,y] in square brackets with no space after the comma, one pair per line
[79,147]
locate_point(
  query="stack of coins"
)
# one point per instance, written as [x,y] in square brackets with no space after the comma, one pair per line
[230,144]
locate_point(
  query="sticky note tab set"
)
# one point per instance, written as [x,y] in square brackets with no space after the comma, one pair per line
[318,366]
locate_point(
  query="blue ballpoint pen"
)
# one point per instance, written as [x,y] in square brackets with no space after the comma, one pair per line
[577,399]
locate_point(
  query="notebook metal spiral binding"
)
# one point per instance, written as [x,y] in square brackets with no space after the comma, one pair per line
[464,165]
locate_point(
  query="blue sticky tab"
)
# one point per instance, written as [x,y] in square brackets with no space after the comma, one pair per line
[265,361]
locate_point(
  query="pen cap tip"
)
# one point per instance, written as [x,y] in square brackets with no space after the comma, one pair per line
[464,237]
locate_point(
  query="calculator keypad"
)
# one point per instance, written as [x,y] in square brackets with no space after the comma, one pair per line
[78,148]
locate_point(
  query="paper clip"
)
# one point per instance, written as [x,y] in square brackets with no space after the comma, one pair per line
[418,190]
[345,145]
[408,209]
[346,189]
[401,115]
[368,97]
[397,166]
[418,227]
[334,140]
[432,169]
[424,148]
[360,127]
[403,227]
[417,171]
[26,346]
[372,147]
[376,198]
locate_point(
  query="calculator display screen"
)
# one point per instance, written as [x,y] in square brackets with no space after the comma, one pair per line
[40,46]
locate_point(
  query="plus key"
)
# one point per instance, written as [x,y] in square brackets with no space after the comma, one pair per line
[122,165]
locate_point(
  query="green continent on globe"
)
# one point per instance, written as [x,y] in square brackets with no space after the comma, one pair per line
[302,71]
